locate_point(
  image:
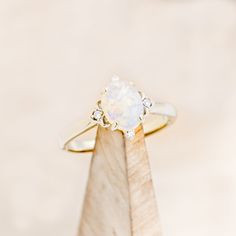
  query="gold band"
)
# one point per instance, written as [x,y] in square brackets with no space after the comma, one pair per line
[161,115]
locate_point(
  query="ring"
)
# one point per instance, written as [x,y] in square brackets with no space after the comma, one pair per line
[121,107]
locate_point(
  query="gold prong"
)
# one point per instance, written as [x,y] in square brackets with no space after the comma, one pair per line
[104,122]
[145,111]
[99,104]
[141,118]
[141,94]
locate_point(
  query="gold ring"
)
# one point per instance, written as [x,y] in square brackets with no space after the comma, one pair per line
[122,107]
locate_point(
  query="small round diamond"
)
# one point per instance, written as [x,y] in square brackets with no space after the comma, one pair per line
[122,104]
[147,102]
[97,115]
[130,134]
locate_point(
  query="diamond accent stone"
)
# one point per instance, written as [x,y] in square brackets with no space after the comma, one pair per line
[97,115]
[122,104]
[130,134]
[147,102]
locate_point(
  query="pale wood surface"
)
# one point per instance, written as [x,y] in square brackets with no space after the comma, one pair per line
[119,199]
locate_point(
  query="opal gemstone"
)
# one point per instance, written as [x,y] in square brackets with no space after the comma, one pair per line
[122,104]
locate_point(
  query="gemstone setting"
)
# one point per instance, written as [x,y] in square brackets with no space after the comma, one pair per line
[97,115]
[147,103]
[121,107]
[122,104]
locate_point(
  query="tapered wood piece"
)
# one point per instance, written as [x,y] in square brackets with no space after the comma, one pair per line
[119,199]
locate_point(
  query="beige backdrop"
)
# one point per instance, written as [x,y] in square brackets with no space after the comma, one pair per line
[56,56]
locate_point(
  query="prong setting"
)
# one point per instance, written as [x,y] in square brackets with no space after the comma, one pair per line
[122,107]
[97,115]
[141,118]
[147,102]
[141,94]
[99,105]
[105,123]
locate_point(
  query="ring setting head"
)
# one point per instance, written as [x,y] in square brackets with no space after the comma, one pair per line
[122,107]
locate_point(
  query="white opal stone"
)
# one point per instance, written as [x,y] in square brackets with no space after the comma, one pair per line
[122,104]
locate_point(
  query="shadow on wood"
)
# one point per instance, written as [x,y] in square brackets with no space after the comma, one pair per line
[119,199]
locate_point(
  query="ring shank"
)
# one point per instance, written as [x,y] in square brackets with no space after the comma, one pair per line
[161,115]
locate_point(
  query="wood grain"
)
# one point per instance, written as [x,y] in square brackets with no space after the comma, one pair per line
[119,199]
